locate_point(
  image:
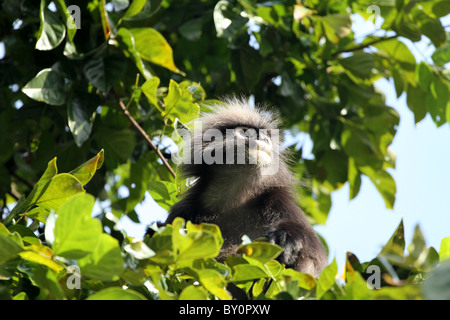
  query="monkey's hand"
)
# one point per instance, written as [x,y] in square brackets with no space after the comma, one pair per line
[289,241]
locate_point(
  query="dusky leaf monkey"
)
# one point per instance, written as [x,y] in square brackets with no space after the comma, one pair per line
[244,185]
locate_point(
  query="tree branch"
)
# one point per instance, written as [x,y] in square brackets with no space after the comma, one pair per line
[366,45]
[142,132]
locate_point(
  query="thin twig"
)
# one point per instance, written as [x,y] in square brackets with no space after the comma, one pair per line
[142,133]
[365,45]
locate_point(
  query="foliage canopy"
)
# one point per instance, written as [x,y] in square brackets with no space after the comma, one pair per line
[120,77]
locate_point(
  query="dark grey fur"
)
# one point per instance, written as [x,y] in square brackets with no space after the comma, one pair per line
[241,201]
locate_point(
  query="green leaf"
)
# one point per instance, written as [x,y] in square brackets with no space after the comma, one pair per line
[162,244]
[301,12]
[247,63]
[406,28]
[199,241]
[115,293]
[149,89]
[356,289]
[61,188]
[326,279]
[139,250]
[358,144]
[424,75]
[192,29]
[52,31]
[420,256]
[105,262]
[62,8]
[441,55]
[416,101]
[47,86]
[134,8]
[384,183]
[43,278]
[397,51]
[396,244]
[42,255]
[437,285]
[86,171]
[227,21]
[80,118]
[192,292]
[127,42]
[76,232]
[336,26]
[163,192]
[118,144]
[214,282]
[103,72]
[261,251]
[444,251]
[180,105]
[272,13]
[304,280]
[159,52]
[354,178]
[38,190]
[360,64]
[437,99]
[246,272]
[104,18]
[433,29]
[398,80]
[9,249]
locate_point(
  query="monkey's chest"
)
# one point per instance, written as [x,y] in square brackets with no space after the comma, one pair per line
[235,224]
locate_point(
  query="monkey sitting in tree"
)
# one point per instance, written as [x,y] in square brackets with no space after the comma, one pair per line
[244,186]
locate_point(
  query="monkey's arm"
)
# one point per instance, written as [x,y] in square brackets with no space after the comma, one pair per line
[302,249]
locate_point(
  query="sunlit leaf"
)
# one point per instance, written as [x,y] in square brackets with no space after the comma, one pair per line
[61,188]
[105,262]
[47,86]
[52,31]
[76,232]
[261,251]
[134,8]
[444,251]
[116,293]
[159,52]
[8,248]
[326,279]
[86,171]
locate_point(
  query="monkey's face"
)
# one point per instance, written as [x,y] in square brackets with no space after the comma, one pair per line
[237,146]
[233,140]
